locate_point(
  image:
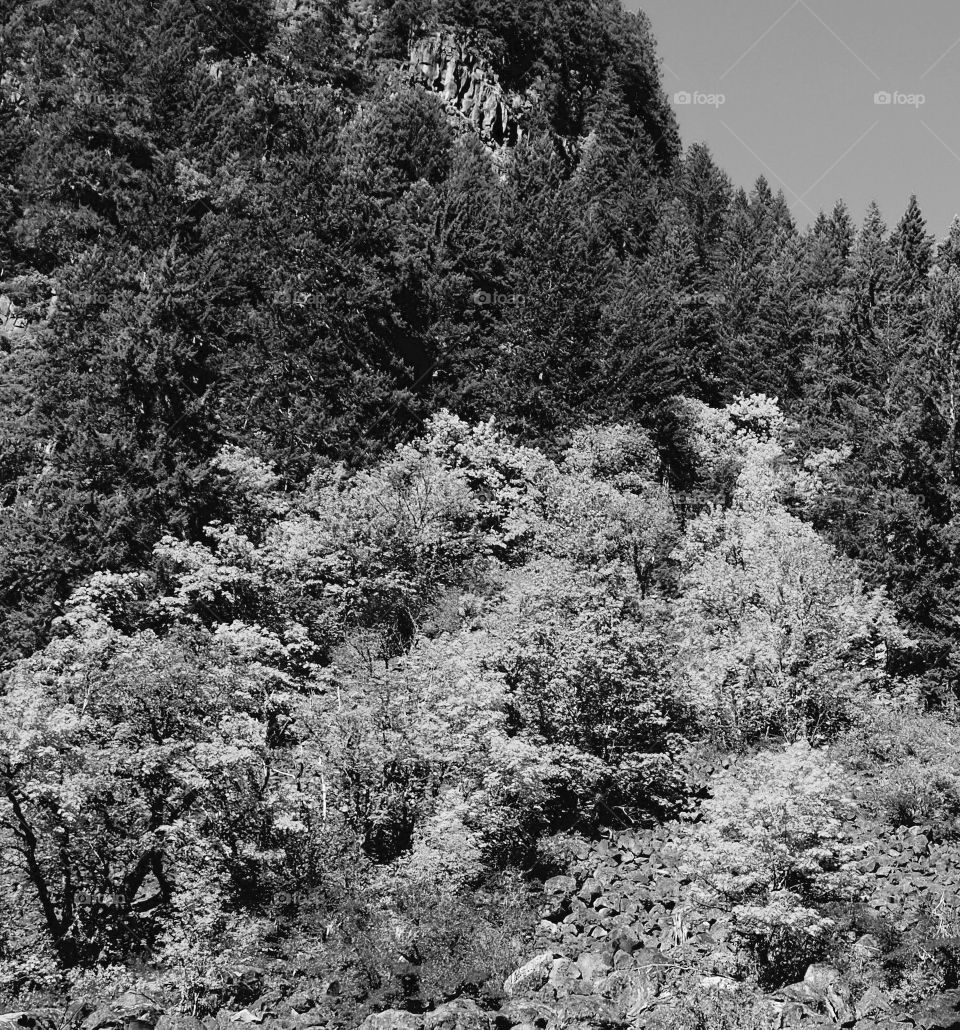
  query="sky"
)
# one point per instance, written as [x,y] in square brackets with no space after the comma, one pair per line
[858,99]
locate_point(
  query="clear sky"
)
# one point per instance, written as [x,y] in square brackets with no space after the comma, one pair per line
[787,89]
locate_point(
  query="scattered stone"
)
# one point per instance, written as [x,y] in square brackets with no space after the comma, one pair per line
[821,977]
[18,1020]
[461,1014]
[176,1021]
[867,946]
[594,965]
[872,1003]
[531,976]
[564,970]
[104,1018]
[939,1013]
[718,983]
[590,890]
[392,1019]
[521,1012]
[301,1002]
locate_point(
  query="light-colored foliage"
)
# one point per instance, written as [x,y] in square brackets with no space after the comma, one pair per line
[778,633]
[774,849]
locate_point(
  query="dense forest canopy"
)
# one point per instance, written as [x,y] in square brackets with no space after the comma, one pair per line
[381,506]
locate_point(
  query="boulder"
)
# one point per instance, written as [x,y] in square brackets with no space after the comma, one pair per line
[563,972]
[531,976]
[392,1019]
[821,977]
[594,965]
[104,1018]
[718,983]
[461,1014]
[580,1009]
[649,957]
[517,1012]
[939,1013]
[175,1021]
[24,1021]
[872,1003]
[301,1001]
[590,891]
[867,946]
[619,985]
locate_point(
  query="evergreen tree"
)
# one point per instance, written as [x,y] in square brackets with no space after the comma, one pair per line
[707,195]
[912,248]
[948,253]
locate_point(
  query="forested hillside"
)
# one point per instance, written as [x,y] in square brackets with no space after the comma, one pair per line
[463,562]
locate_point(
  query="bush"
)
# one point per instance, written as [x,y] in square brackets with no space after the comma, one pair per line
[448,945]
[590,672]
[779,635]
[716,1009]
[907,763]
[774,853]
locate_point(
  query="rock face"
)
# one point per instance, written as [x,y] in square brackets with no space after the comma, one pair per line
[469,87]
[20,319]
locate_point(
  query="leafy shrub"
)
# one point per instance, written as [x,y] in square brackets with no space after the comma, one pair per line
[122,757]
[424,945]
[712,1008]
[621,455]
[779,636]
[619,535]
[908,765]
[506,481]
[773,851]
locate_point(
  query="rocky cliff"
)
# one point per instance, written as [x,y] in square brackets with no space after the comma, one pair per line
[470,87]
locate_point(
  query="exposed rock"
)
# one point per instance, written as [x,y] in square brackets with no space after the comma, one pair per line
[563,971]
[821,977]
[518,1012]
[531,976]
[301,1001]
[461,1014]
[872,1003]
[560,885]
[867,946]
[939,1013]
[718,983]
[620,984]
[594,965]
[176,1021]
[590,890]
[392,1019]
[582,1009]
[102,1019]
[469,86]
[20,1020]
